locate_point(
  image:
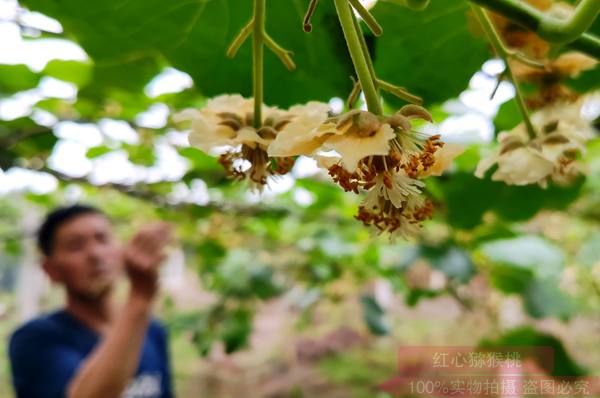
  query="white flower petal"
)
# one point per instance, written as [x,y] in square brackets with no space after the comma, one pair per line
[353,148]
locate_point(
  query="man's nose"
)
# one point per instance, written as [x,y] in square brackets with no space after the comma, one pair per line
[96,253]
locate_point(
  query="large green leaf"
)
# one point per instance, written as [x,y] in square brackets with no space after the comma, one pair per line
[193,36]
[432,53]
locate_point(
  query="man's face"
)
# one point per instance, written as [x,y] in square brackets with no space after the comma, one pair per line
[85,257]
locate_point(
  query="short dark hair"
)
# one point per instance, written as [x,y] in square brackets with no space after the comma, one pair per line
[56,218]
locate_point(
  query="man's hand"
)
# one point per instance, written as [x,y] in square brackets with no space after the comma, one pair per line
[142,257]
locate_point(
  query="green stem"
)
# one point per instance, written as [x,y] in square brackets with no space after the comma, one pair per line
[565,31]
[365,49]
[380,84]
[505,54]
[535,20]
[399,92]
[367,17]
[359,58]
[240,39]
[258,59]
[283,54]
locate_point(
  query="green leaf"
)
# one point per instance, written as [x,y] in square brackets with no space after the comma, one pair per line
[527,252]
[543,298]
[14,78]
[589,254]
[79,73]
[455,262]
[373,316]
[432,53]
[508,116]
[126,46]
[236,329]
[562,364]
[263,284]
[510,279]
[468,198]
[211,252]
[199,160]
[140,154]
[97,151]
[413,296]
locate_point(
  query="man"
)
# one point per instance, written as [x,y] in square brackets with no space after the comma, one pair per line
[92,348]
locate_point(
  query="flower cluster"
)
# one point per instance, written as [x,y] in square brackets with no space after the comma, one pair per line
[380,155]
[228,121]
[383,156]
[549,157]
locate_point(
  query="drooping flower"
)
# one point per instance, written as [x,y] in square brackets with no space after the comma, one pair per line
[385,157]
[548,157]
[228,121]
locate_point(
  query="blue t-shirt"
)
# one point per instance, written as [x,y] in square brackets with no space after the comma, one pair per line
[46,352]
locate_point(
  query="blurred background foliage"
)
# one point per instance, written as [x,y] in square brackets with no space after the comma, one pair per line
[305,299]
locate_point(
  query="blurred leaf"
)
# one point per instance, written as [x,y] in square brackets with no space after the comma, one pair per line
[468,198]
[543,298]
[140,154]
[589,254]
[453,261]
[262,283]
[14,78]
[413,296]
[469,159]
[527,252]
[98,151]
[79,73]
[236,329]
[211,252]
[373,316]
[562,364]
[510,279]
[200,160]
[508,116]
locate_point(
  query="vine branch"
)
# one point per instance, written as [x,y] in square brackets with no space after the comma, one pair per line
[550,28]
[505,54]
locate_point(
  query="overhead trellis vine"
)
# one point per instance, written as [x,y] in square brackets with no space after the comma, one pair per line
[370,150]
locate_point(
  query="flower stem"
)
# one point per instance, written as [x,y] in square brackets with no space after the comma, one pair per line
[367,17]
[258,59]
[359,58]
[240,39]
[505,54]
[365,49]
[381,84]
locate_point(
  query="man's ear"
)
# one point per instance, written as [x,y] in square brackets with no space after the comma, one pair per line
[51,270]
